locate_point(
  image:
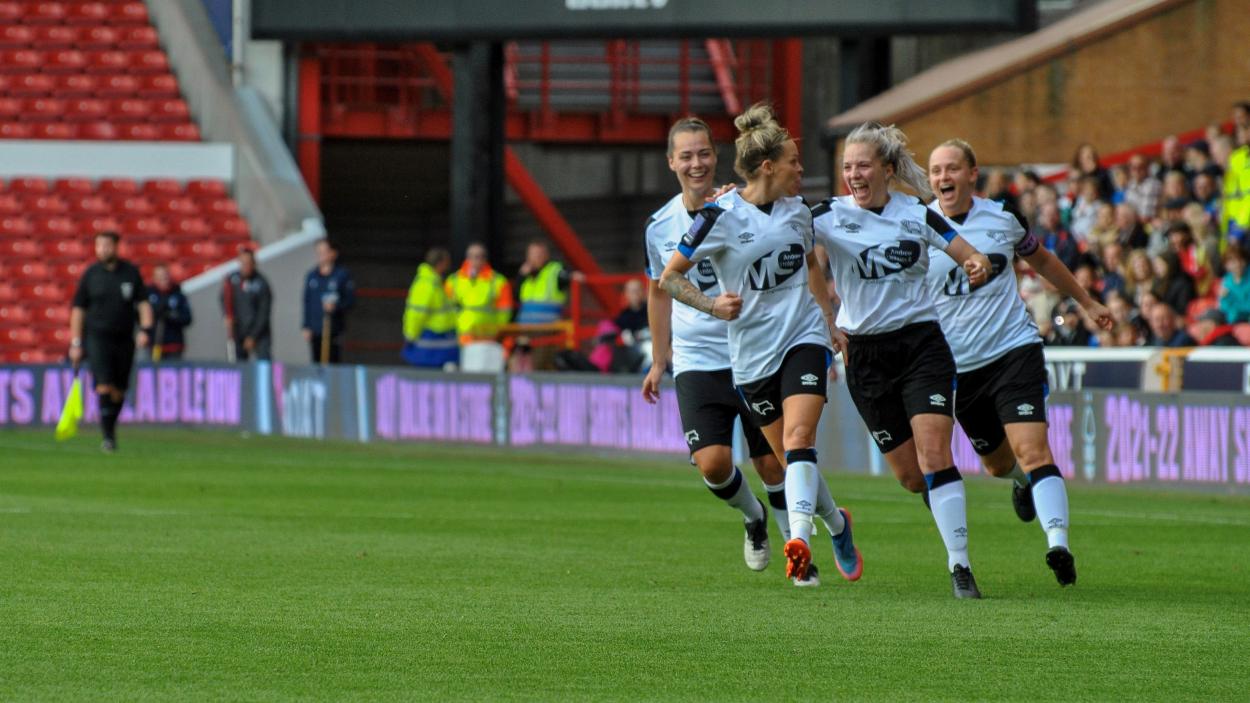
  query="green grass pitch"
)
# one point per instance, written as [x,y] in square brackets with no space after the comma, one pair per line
[198,566]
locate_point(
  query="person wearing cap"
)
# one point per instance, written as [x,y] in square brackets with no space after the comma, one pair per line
[1213,330]
[429,319]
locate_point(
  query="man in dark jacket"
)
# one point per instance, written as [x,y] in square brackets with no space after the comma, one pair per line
[172,313]
[329,293]
[246,300]
[1165,331]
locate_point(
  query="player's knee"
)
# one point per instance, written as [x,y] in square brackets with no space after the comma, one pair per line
[769,469]
[800,436]
[996,470]
[1034,455]
[912,483]
[714,463]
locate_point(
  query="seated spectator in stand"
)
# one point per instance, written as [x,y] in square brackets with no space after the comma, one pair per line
[1139,274]
[1170,211]
[1112,269]
[1166,329]
[1221,149]
[1198,161]
[1069,329]
[1085,210]
[171,312]
[1026,181]
[1207,196]
[1050,232]
[1213,330]
[1171,159]
[1142,190]
[1129,231]
[1027,205]
[1126,334]
[1085,163]
[1175,187]
[632,320]
[1235,298]
[1173,287]
[1147,301]
[1192,259]
[998,189]
[1104,230]
[1086,275]
[1119,180]
[1119,306]
[605,356]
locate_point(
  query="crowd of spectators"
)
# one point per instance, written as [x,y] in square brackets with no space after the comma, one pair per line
[1162,242]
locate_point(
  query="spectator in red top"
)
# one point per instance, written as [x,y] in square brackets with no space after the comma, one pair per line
[1190,256]
[1214,331]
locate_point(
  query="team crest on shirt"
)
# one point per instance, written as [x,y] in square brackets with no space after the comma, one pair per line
[809,379]
[1000,237]
[128,289]
[879,261]
[775,268]
[912,227]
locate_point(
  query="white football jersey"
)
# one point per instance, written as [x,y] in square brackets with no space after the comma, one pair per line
[760,254]
[700,341]
[983,323]
[879,260]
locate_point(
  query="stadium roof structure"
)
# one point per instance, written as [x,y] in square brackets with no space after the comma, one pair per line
[962,76]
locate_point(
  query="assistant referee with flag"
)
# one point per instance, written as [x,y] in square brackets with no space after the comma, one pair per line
[109,301]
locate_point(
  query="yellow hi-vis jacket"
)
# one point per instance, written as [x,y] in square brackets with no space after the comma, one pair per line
[1235,218]
[483,303]
[541,297]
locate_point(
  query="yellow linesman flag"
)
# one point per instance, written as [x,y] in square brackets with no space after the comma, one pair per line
[71,414]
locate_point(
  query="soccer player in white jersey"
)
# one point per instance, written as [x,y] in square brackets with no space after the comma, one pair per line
[699,345]
[759,241]
[900,371]
[1001,403]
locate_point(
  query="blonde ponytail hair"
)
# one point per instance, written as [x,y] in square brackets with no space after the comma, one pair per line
[760,138]
[891,146]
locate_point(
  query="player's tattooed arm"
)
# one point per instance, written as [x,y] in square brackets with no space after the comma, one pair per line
[683,291]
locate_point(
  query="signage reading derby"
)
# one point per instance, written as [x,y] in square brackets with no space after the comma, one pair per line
[556,19]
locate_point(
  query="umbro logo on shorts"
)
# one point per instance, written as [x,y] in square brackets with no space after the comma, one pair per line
[691,437]
[1024,409]
[937,399]
[809,379]
[882,436]
[763,407]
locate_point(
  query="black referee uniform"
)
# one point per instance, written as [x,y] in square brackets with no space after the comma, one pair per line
[109,296]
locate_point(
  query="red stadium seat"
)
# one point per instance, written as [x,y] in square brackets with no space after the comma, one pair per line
[54,314]
[187,132]
[155,249]
[119,85]
[10,109]
[87,110]
[47,205]
[180,206]
[8,292]
[55,335]
[39,109]
[139,132]
[205,250]
[56,226]
[23,248]
[29,186]
[140,226]
[136,205]
[1241,331]
[22,336]
[100,131]
[58,36]
[21,61]
[45,13]
[161,85]
[118,187]
[88,13]
[150,61]
[70,270]
[54,130]
[170,111]
[166,187]
[221,208]
[108,61]
[90,204]
[131,110]
[16,315]
[11,12]
[16,36]
[15,226]
[192,227]
[92,226]
[32,85]
[139,38]
[65,61]
[97,37]
[15,130]
[73,186]
[128,13]
[77,85]
[234,227]
[11,205]
[47,292]
[207,189]
[71,247]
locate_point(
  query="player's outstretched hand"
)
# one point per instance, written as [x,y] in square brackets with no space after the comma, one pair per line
[719,192]
[651,384]
[727,306]
[1100,315]
[840,343]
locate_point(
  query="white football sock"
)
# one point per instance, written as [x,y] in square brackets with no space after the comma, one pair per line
[802,478]
[736,491]
[1050,496]
[777,501]
[827,509]
[949,506]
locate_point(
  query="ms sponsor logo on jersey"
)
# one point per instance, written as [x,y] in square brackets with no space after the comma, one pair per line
[775,268]
[879,261]
[703,275]
[809,379]
[957,282]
